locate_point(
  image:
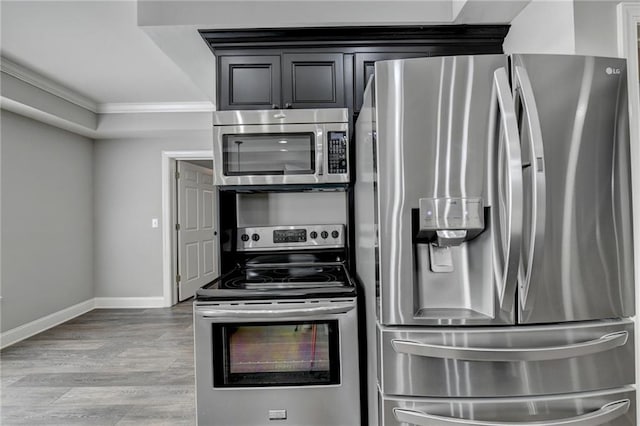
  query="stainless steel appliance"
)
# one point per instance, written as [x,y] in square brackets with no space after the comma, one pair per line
[276,337]
[494,241]
[275,147]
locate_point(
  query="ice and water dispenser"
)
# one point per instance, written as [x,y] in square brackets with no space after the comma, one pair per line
[452,260]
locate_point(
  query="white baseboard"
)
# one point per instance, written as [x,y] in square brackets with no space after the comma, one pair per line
[129,302]
[27,330]
[32,328]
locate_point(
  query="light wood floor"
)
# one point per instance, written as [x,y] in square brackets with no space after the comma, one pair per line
[106,367]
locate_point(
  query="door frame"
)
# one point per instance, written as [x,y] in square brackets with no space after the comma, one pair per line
[169,158]
[628,45]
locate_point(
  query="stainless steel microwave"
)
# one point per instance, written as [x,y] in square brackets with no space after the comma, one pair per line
[281,147]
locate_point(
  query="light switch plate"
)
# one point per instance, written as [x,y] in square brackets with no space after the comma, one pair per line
[277,414]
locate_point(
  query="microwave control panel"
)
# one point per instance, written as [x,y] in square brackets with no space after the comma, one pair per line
[337,155]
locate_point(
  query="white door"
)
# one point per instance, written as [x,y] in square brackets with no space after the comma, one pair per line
[196,228]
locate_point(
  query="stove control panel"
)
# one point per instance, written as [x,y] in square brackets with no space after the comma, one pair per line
[295,237]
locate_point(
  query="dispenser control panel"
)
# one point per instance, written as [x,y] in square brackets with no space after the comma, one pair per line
[451,213]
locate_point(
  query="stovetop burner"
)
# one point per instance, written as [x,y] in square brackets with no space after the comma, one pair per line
[305,273]
[283,262]
[280,281]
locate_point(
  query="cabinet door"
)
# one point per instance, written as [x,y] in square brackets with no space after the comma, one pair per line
[249,82]
[313,80]
[364,63]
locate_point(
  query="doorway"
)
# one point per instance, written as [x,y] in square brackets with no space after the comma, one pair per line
[195,226]
[170,267]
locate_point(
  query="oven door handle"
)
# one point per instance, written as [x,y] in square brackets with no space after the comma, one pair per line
[276,313]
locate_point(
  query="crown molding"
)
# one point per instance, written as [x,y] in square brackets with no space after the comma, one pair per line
[28,76]
[46,117]
[157,107]
[353,36]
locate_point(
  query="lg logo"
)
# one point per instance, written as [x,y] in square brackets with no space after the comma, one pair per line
[612,71]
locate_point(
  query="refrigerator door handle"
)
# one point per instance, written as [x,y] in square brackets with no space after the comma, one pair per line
[544,353]
[605,414]
[531,265]
[505,191]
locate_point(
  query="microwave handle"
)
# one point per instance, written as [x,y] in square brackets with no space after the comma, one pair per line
[320,154]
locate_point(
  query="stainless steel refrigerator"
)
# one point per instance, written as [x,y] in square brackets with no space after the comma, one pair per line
[494,241]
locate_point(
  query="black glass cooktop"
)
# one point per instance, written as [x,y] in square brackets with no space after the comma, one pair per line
[280,281]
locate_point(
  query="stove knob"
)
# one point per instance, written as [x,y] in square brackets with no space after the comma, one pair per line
[244,237]
[313,235]
[335,234]
[255,237]
[324,234]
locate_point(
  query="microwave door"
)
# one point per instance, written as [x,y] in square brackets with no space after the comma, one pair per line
[247,153]
[276,154]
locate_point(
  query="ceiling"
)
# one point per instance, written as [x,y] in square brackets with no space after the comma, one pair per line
[95,48]
[116,52]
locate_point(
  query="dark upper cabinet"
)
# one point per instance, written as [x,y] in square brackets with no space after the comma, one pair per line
[364,66]
[249,82]
[313,80]
[327,67]
[290,80]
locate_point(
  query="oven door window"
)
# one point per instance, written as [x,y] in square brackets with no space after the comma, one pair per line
[268,154]
[276,354]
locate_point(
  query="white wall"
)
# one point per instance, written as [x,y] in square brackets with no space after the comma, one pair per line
[128,184]
[583,27]
[306,208]
[544,26]
[47,220]
[596,27]
[273,14]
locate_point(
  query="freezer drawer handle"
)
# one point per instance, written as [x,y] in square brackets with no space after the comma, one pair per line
[274,313]
[604,343]
[604,415]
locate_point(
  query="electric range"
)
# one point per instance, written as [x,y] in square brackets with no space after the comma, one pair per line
[276,336]
[285,262]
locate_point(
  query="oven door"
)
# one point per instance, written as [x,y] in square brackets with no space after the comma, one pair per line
[280,358]
[275,344]
[278,353]
[279,154]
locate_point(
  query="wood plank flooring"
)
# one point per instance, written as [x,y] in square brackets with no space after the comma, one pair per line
[106,367]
